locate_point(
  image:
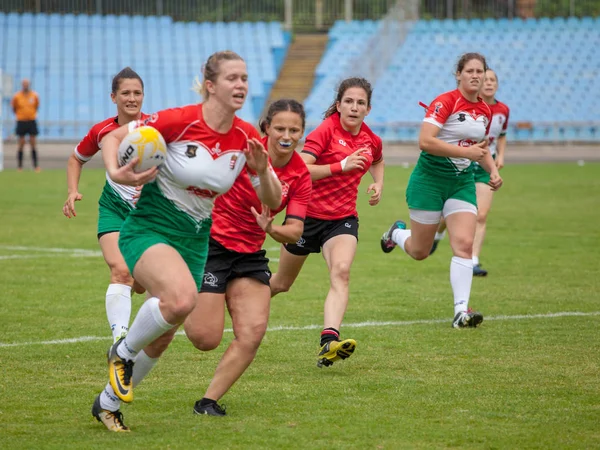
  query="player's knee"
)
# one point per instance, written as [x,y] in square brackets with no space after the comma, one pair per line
[202,340]
[463,248]
[482,217]
[251,335]
[420,254]
[278,286]
[119,274]
[340,271]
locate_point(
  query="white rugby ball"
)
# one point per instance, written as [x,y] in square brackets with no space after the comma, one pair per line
[145,143]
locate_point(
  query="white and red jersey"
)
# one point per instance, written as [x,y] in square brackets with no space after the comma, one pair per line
[92,144]
[334,197]
[461,122]
[201,163]
[500,113]
[234,225]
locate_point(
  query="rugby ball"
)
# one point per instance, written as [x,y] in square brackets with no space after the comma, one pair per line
[145,143]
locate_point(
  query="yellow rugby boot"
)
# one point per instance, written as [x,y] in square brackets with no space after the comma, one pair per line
[335,350]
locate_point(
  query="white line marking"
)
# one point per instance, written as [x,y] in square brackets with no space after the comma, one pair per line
[316,327]
[48,249]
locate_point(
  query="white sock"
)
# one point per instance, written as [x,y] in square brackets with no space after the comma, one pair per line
[146,327]
[109,400]
[143,365]
[475,260]
[440,236]
[461,277]
[400,236]
[118,308]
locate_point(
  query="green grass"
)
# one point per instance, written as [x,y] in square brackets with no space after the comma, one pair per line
[524,379]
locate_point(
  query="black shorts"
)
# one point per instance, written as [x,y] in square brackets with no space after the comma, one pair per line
[317,232]
[25,127]
[224,265]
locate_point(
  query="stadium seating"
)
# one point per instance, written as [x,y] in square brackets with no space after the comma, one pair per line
[549,73]
[71,59]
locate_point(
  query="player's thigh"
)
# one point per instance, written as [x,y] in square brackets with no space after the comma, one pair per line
[162,270]
[461,232]
[485,195]
[204,325]
[109,245]
[289,266]
[249,303]
[339,252]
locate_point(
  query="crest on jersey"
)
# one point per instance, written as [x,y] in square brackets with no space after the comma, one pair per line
[151,118]
[341,141]
[285,188]
[461,117]
[500,119]
[437,108]
[191,151]
[232,161]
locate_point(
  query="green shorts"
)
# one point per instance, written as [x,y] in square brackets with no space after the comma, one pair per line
[428,192]
[112,211]
[481,176]
[145,227]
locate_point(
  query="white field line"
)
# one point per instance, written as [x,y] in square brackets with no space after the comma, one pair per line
[316,327]
[46,252]
[17,248]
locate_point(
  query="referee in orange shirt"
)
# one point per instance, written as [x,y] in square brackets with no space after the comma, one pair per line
[25,104]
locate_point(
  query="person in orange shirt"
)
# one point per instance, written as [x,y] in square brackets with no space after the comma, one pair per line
[25,104]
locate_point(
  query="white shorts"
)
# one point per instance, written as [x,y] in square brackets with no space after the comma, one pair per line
[451,206]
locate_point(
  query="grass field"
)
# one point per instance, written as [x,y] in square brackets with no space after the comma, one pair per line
[527,378]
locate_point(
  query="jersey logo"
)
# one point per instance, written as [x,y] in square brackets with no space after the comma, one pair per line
[284,189]
[466,143]
[342,142]
[191,151]
[500,119]
[461,117]
[232,161]
[436,109]
[203,193]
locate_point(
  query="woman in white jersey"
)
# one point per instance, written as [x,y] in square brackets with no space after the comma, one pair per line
[165,239]
[116,200]
[453,134]
[497,144]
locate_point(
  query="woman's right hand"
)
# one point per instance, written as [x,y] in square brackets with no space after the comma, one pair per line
[126,175]
[355,161]
[477,152]
[69,206]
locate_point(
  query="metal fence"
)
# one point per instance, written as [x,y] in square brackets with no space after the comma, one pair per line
[305,15]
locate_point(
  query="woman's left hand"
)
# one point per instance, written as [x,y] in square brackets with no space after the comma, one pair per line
[257,156]
[264,219]
[495,181]
[376,189]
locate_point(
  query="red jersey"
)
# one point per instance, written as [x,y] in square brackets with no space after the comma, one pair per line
[334,197]
[91,144]
[461,122]
[234,225]
[500,113]
[201,163]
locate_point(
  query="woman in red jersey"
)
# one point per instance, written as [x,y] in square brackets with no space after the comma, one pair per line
[237,272]
[453,135]
[164,240]
[485,194]
[338,154]
[116,201]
